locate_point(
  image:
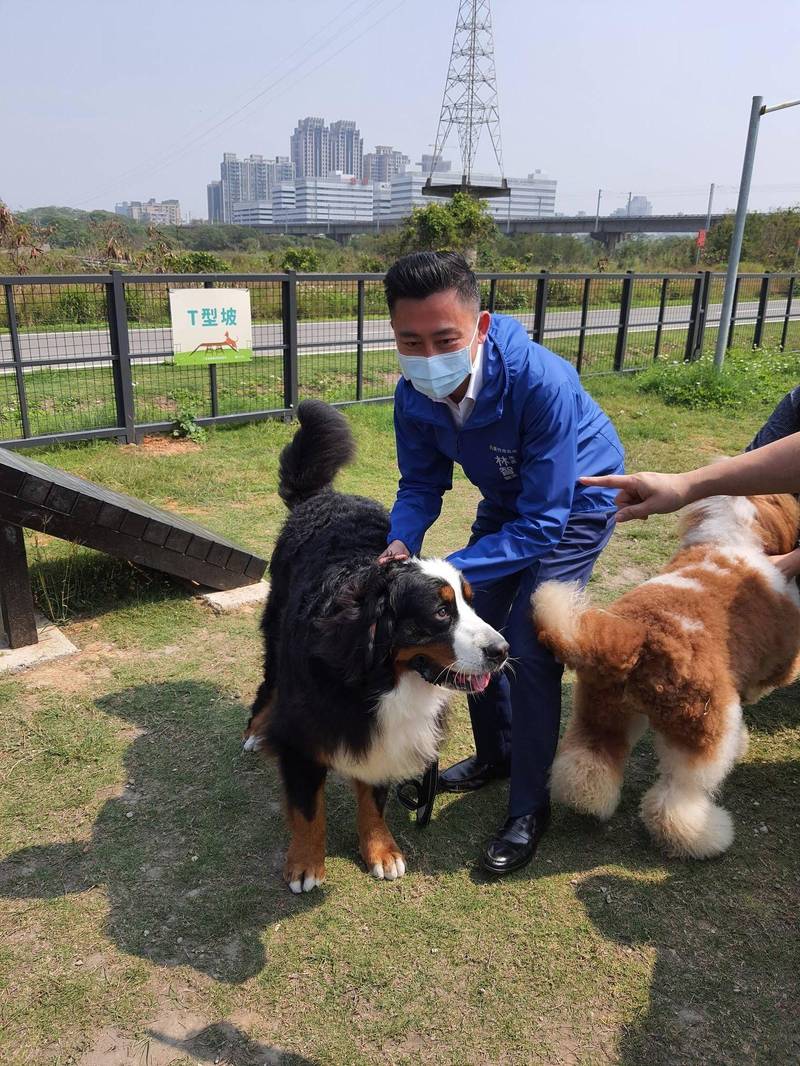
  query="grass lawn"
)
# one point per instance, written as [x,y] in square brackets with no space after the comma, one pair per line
[142,914]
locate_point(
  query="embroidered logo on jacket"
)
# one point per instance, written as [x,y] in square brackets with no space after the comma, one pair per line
[507,460]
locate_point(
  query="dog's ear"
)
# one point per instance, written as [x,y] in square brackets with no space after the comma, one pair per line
[359,625]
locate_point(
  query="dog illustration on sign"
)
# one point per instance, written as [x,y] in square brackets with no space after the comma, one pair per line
[208,346]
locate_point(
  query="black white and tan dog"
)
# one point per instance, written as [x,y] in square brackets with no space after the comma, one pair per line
[360,657]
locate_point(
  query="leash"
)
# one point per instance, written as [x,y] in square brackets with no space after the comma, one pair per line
[417,794]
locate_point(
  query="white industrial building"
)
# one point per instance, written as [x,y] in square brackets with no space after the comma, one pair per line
[337,198]
[531,197]
[253,213]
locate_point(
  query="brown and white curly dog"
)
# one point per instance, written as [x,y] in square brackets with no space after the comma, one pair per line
[716,629]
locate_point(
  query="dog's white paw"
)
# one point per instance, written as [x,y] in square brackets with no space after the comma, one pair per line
[389,869]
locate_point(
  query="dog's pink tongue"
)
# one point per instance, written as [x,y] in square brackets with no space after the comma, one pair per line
[478,682]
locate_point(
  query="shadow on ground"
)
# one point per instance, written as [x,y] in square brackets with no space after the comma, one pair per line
[225,1043]
[190,850]
[725,984]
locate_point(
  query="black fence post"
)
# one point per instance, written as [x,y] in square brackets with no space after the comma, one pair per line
[788,312]
[120,350]
[698,329]
[540,307]
[763,301]
[16,355]
[660,324]
[212,372]
[587,281]
[734,309]
[624,320]
[492,295]
[694,319]
[360,341]
[290,386]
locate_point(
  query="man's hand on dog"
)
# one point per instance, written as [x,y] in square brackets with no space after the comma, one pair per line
[396,552]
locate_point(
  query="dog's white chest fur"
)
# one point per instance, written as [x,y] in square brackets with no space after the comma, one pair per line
[406,738]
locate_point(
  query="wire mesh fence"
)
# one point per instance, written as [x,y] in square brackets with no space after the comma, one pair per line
[91,356]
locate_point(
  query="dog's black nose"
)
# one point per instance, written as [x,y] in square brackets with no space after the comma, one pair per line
[497,652]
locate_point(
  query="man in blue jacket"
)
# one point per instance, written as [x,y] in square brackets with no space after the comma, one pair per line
[476,390]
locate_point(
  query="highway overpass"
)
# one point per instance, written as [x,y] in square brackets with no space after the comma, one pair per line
[610,229]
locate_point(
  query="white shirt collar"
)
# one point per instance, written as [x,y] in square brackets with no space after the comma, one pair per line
[461,411]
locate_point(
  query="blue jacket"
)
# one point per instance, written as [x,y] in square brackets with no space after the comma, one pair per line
[532,433]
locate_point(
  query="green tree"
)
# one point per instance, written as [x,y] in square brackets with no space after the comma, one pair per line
[459,225]
[303,260]
[770,239]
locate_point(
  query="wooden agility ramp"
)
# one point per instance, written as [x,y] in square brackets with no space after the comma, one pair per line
[40,497]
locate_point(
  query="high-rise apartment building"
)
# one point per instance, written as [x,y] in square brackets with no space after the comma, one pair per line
[346,148]
[214,194]
[317,149]
[279,169]
[309,148]
[384,163]
[243,180]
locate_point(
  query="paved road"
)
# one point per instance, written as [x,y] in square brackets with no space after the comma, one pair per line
[330,336]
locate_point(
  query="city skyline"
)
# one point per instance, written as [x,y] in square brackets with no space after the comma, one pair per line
[654,104]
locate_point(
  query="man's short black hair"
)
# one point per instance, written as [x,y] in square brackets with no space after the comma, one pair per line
[422,274]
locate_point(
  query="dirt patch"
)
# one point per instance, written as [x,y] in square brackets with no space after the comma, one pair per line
[163,444]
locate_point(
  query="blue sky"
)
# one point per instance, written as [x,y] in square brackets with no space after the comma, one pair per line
[103,101]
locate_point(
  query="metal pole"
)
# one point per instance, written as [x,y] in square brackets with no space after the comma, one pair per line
[738,231]
[708,220]
[597,212]
[779,107]
[630,194]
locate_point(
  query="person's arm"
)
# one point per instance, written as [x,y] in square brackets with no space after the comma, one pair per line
[425,475]
[789,564]
[548,471]
[773,468]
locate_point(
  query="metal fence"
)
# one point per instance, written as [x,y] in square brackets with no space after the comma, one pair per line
[88,356]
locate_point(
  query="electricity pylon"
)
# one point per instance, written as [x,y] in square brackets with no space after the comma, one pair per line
[470,101]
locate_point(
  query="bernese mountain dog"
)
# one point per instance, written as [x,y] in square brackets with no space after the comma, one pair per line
[361,657]
[716,629]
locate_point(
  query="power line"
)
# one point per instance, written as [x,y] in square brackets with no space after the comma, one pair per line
[147,168]
[287,88]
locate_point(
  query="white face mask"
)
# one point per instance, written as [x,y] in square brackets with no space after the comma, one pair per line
[436,376]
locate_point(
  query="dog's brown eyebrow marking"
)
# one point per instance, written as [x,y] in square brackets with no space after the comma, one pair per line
[447,593]
[466,589]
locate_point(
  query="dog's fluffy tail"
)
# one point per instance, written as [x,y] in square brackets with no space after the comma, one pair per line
[582,636]
[319,449]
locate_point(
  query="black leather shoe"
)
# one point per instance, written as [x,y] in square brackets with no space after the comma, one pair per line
[469,775]
[515,844]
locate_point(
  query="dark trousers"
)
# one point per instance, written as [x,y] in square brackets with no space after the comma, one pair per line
[783,421]
[519,714]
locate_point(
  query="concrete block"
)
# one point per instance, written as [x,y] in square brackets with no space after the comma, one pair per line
[52,645]
[234,599]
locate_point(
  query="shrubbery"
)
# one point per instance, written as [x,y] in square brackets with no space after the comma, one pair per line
[748,379]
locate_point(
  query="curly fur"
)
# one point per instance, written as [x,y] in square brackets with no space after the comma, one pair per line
[718,627]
